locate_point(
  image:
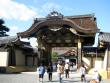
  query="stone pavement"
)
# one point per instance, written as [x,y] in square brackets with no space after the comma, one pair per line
[32,77]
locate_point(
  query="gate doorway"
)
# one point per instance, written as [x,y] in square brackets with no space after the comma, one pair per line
[74,61]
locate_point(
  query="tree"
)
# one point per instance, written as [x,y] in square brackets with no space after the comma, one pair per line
[54,56]
[3,29]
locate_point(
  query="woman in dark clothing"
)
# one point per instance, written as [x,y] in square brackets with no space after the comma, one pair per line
[49,71]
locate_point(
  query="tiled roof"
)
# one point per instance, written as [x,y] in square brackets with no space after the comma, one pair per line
[90,49]
[81,23]
[7,39]
[24,45]
[105,37]
[85,21]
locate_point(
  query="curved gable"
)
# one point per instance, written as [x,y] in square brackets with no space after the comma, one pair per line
[83,24]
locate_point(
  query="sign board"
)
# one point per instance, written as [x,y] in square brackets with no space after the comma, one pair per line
[3,59]
[62,50]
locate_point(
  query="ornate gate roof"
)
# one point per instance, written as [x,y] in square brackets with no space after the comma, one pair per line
[81,23]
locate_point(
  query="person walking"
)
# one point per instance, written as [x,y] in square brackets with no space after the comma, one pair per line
[60,71]
[41,71]
[49,71]
[67,68]
[83,72]
[96,77]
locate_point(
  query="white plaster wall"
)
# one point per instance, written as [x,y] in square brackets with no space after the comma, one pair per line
[109,59]
[105,60]
[87,60]
[3,59]
[20,58]
[98,63]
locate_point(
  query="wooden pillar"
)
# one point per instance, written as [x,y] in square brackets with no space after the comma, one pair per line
[79,52]
[26,60]
[44,52]
[48,50]
[39,51]
[33,60]
[12,56]
[108,61]
[92,57]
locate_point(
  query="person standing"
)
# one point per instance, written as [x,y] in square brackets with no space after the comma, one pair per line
[67,68]
[49,71]
[41,71]
[83,72]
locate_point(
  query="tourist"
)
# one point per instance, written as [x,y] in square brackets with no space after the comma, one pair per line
[96,76]
[41,71]
[93,81]
[83,72]
[67,68]
[60,71]
[49,71]
[71,66]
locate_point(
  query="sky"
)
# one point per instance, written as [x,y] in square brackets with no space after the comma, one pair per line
[20,14]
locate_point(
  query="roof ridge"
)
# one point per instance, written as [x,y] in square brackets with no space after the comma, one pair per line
[81,16]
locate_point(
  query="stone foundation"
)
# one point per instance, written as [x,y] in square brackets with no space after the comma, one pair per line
[18,69]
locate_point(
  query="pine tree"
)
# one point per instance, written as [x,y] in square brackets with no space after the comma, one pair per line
[3,29]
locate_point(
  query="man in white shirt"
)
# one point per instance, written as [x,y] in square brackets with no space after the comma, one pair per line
[67,68]
[83,72]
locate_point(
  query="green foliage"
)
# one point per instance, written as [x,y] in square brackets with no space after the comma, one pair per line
[3,28]
[54,56]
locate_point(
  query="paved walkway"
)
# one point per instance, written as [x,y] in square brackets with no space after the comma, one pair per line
[32,77]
